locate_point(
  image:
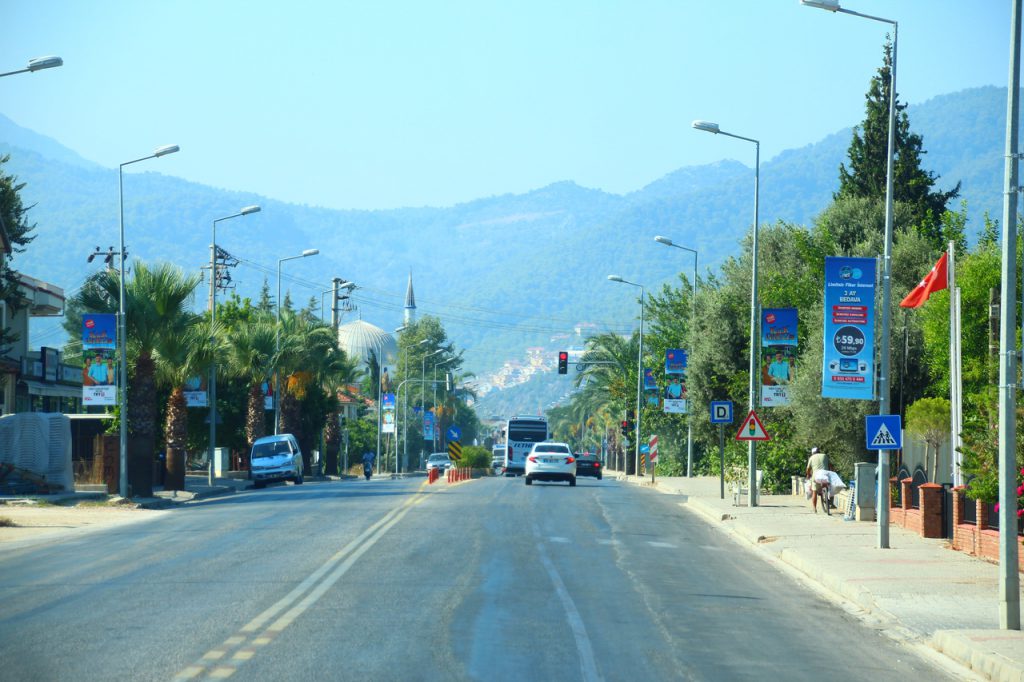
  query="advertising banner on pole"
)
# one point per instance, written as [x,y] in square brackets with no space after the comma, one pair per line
[195,392]
[675,381]
[651,397]
[99,359]
[778,354]
[428,425]
[848,361]
[387,413]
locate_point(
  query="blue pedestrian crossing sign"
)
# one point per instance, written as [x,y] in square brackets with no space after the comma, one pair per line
[883,432]
[721,412]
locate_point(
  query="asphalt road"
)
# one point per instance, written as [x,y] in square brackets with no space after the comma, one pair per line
[396,580]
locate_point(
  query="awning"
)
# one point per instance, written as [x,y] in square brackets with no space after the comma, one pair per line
[51,390]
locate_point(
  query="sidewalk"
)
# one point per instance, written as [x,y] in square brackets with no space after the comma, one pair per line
[918,590]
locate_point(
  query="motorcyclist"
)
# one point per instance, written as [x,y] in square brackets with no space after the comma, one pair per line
[368,458]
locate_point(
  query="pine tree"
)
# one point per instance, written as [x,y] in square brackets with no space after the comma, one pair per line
[866,174]
[266,303]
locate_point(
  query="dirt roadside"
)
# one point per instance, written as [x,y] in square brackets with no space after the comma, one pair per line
[21,521]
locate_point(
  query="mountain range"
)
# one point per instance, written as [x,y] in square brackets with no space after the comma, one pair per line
[503,273]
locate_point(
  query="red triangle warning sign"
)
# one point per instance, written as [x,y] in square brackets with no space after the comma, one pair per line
[752,429]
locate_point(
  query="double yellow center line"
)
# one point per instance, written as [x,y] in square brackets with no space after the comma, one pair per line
[223,661]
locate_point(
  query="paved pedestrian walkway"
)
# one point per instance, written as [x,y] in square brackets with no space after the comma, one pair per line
[917,590]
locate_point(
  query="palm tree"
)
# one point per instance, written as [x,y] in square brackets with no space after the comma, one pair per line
[155,301]
[309,350]
[180,357]
[251,359]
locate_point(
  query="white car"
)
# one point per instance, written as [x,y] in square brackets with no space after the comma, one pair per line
[275,458]
[439,461]
[550,462]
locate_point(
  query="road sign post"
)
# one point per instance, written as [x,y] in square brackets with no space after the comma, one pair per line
[653,447]
[721,414]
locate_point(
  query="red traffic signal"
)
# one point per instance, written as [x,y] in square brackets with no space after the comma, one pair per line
[563,362]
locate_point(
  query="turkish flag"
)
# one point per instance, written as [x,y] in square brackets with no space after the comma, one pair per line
[936,280]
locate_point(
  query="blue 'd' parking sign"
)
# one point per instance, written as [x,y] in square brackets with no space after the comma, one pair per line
[721,412]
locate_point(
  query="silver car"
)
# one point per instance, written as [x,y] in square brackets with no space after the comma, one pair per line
[550,462]
[439,461]
[275,458]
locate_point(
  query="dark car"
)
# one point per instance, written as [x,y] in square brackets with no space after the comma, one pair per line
[588,465]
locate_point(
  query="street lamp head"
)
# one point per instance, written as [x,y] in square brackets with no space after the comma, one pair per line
[347,285]
[615,278]
[664,240]
[706,126]
[250,209]
[165,150]
[310,252]
[830,5]
[40,63]
[401,329]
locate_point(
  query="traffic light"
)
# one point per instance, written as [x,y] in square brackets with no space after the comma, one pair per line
[563,362]
[448,381]
[625,428]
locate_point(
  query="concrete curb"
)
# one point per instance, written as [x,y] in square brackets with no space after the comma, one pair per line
[982,651]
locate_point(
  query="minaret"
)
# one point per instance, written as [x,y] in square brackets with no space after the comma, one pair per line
[410,303]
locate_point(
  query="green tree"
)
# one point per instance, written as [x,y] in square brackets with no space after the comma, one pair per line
[178,358]
[928,419]
[865,176]
[15,230]
[156,300]
[251,358]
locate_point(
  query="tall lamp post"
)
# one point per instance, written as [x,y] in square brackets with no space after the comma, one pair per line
[405,409]
[639,367]
[213,319]
[122,401]
[277,337]
[37,64]
[709,127]
[436,423]
[692,335]
[883,365]
[423,387]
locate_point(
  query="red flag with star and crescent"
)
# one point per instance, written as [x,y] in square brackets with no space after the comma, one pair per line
[936,280]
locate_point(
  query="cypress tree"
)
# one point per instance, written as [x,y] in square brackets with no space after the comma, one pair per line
[866,174]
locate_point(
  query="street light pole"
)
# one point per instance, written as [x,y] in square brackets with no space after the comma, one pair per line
[405,409]
[213,319]
[38,64]
[423,389]
[122,340]
[883,365]
[1009,547]
[639,368]
[436,424]
[277,338]
[709,127]
[692,335]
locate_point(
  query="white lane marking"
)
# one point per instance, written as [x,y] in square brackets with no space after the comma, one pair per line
[711,549]
[661,544]
[334,568]
[588,667]
[605,541]
[555,538]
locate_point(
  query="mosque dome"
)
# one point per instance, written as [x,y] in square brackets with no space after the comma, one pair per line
[363,340]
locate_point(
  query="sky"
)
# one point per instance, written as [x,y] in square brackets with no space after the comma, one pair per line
[384,104]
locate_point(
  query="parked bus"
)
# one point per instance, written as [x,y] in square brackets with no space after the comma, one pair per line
[520,435]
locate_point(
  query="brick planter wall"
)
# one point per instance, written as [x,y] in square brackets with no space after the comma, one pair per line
[977,540]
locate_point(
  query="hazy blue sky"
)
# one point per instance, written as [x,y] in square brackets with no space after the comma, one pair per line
[385,104]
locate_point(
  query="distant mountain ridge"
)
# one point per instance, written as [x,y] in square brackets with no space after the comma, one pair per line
[503,272]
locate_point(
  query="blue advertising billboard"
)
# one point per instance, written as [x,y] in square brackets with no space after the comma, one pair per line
[848,361]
